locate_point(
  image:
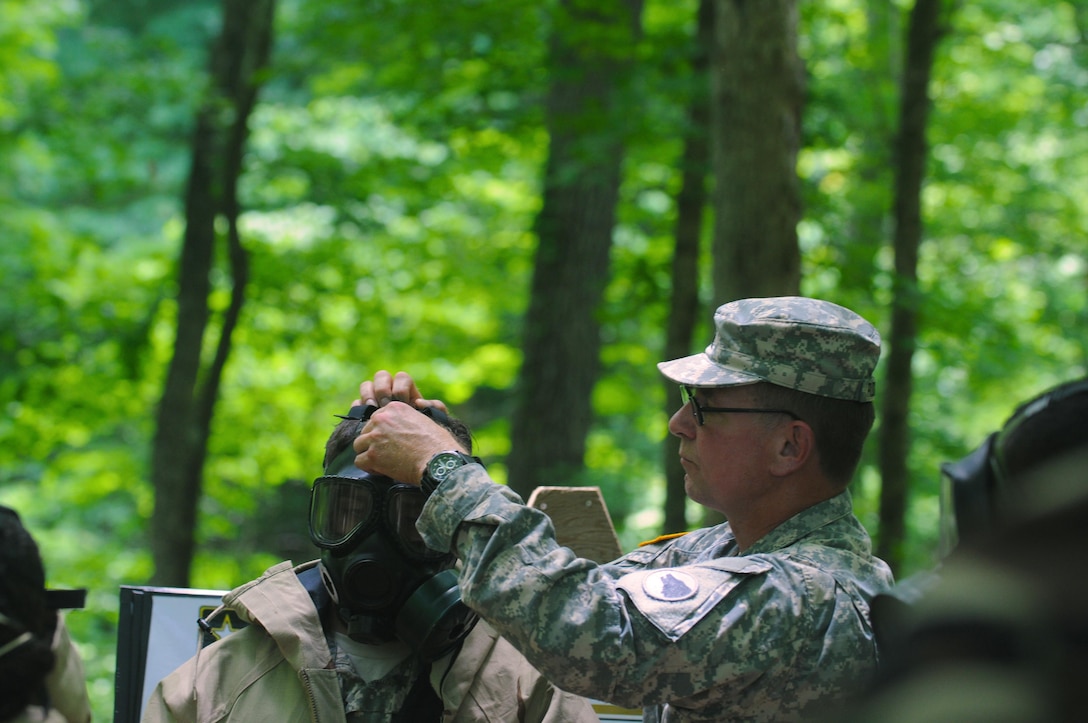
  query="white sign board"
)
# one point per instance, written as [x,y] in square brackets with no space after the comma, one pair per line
[157,632]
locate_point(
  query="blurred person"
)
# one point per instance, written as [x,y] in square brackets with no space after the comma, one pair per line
[762,618]
[41,671]
[975,490]
[374,630]
[1000,630]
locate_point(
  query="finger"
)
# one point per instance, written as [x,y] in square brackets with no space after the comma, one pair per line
[422,403]
[366,393]
[404,388]
[382,388]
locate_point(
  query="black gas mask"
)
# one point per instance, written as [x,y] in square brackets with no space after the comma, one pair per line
[1039,430]
[384,581]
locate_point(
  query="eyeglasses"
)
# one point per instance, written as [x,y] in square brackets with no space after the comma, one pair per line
[688,395]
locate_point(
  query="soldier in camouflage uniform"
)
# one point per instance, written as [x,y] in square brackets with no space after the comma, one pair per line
[765,617]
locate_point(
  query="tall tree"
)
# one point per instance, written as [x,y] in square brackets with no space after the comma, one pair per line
[690,205]
[910,162]
[591,54]
[186,407]
[873,121]
[758,88]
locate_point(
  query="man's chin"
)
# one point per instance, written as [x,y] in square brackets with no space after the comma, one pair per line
[692,491]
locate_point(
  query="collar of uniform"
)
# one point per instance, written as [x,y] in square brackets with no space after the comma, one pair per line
[804,523]
[384,696]
[279,602]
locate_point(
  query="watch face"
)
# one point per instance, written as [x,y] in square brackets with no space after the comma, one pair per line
[443,464]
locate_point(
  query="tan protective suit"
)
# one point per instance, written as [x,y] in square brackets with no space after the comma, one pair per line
[279,668]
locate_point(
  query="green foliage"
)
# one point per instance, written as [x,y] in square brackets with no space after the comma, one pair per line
[392,178]
[1002,266]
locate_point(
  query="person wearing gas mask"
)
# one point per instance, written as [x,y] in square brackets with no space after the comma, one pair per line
[41,671]
[998,631]
[374,630]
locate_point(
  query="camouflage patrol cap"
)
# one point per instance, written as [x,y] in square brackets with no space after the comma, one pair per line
[806,344]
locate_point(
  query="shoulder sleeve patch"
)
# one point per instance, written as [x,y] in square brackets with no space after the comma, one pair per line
[674,599]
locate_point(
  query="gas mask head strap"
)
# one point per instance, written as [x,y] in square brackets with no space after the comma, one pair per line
[363,413]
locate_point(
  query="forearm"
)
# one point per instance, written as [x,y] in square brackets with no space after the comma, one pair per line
[563,613]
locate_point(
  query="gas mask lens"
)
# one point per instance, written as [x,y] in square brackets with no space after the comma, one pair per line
[340,507]
[946,521]
[344,510]
[405,504]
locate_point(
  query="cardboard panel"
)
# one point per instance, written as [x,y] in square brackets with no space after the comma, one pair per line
[581,520]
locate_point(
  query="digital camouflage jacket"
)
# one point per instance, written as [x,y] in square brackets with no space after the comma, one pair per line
[687,628]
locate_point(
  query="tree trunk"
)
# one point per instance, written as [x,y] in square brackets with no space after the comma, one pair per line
[910,160]
[758,88]
[187,405]
[690,204]
[758,84]
[870,197]
[591,53]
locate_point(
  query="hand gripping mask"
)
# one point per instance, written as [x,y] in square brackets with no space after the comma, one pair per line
[385,582]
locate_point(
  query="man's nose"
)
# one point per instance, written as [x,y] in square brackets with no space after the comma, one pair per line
[682,423]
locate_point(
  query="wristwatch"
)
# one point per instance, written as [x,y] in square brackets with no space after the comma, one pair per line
[442,466]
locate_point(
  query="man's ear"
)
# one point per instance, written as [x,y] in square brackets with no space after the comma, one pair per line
[796,444]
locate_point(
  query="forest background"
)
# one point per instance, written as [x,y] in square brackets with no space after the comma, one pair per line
[388,208]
